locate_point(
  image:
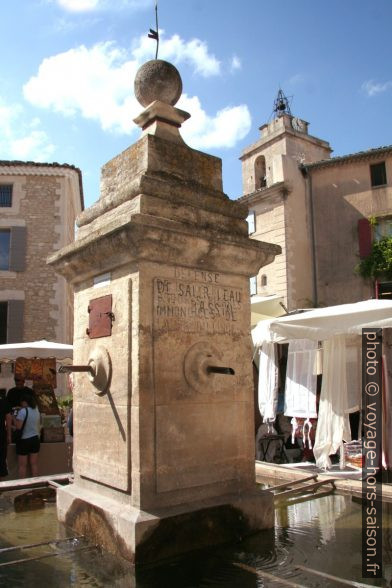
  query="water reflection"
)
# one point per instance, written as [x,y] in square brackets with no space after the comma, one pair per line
[321,534]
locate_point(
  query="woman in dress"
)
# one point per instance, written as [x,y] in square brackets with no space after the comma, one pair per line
[28,420]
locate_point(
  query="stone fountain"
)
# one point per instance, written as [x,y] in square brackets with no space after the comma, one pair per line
[163,416]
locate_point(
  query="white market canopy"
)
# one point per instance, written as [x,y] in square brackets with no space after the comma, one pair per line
[41,349]
[323,323]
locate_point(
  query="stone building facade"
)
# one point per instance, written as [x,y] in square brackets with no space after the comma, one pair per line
[317,208]
[38,206]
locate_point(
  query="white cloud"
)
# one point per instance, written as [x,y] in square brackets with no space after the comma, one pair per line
[21,140]
[78,5]
[235,63]
[35,145]
[229,125]
[90,5]
[96,83]
[176,50]
[372,88]
[7,115]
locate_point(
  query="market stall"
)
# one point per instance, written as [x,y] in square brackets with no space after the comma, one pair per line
[37,363]
[336,331]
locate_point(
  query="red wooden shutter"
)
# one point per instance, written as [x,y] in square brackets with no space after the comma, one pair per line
[364,237]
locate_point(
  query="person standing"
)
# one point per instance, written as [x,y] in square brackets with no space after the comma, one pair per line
[28,420]
[13,401]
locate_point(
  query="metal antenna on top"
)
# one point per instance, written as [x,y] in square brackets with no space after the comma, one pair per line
[282,104]
[155,34]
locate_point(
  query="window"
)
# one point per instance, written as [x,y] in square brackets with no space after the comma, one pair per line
[3,322]
[260,173]
[5,238]
[11,321]
[5,195]
[368,233]
[263,280]
[251,220]
[383,228]
[378,174]
[253,285]
[13,249]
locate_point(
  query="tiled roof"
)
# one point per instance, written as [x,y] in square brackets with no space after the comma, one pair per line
[15,163]
[369,153]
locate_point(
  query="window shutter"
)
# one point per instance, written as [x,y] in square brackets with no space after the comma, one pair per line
[15,321]
[3,322]
[364,237]
[18,249]
[253,285]
[251,223]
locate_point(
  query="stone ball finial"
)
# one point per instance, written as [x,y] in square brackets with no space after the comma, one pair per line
[158,80]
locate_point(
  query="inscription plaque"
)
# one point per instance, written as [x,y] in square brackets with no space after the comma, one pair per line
[196,302]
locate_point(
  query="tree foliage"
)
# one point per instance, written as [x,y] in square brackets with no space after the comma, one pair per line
[379,262]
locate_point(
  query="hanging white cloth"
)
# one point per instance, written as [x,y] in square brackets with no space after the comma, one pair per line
[387,411]
[353,368]
[333,423]
[268,382]
[301,385]
[301,379]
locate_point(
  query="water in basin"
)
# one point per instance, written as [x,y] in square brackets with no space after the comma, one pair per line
[322,534]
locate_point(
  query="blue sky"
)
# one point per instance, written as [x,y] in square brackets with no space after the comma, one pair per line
[67,69]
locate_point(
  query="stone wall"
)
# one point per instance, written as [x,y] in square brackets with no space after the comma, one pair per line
[343,195]
[46,204]
[39,281]
[270,226]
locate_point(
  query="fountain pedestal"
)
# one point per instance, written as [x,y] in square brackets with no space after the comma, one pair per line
[164,451]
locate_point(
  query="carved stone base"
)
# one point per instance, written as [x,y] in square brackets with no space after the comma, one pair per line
[143,537]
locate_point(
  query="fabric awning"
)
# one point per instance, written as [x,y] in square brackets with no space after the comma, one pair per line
[41,349]
[323,323]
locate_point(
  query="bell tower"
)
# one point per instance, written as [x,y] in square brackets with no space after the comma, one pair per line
[275,192]
[283,141]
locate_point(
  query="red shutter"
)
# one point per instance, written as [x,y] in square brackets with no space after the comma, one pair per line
[364,237]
